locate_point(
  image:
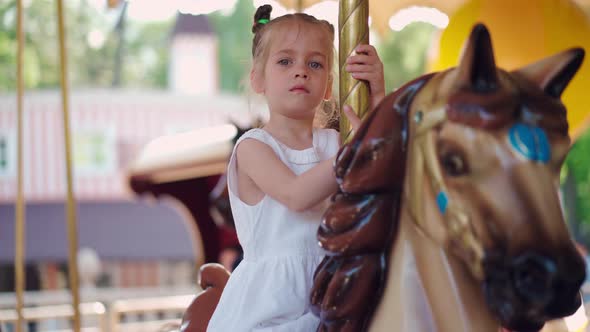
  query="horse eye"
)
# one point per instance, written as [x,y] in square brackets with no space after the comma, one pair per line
[453,164]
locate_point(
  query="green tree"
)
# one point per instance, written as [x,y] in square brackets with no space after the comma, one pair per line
[403,53]
[31,73]
[41,61]
[235,44]
[577,176]
[8,49]
[147,55]
[145,61]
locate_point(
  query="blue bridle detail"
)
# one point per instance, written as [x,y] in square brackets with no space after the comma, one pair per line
[530,141]
[442,200]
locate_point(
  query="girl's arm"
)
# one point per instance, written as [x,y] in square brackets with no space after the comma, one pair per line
[298,192]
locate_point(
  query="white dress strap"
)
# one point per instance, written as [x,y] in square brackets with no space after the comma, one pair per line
[264,137]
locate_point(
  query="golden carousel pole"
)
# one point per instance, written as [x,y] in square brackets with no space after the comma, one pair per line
[71,207]
[353,29]
[19,250]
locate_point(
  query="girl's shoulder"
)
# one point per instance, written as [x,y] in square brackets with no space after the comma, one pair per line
[260,135]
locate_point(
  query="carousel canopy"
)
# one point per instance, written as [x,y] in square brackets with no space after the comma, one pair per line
[198,153]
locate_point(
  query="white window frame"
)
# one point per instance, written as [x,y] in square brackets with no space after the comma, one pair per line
[9,137]
[84,148]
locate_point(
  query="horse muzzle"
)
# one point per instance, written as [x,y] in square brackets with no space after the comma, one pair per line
[527,290]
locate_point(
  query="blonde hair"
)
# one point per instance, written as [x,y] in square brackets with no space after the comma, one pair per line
[263,28]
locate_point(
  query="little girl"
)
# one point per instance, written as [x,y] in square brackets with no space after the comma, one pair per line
[279,176]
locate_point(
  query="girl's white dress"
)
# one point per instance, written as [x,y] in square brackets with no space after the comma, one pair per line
[270,288]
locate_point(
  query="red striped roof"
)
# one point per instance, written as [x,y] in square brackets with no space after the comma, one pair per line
[135,118]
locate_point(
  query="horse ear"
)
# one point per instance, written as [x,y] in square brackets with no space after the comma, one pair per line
[477,68]
[554,73]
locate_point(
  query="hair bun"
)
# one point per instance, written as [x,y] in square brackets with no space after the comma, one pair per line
[262,13]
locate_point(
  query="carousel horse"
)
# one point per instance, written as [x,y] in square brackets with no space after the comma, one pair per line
[447,216]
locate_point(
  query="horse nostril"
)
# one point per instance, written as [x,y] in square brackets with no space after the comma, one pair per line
[532,277]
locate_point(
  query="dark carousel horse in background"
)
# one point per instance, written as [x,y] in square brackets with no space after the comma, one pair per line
[448,217]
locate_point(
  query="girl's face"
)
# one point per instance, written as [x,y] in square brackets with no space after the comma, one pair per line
[296,76]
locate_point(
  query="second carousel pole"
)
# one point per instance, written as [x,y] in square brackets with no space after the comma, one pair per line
[71,207]
[353,29]
[19,252]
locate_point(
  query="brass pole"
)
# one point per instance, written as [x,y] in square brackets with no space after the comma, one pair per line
[70,206]
[353,27]
[19,252]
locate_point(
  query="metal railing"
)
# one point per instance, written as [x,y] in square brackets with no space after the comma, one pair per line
[59,312]
[123,314]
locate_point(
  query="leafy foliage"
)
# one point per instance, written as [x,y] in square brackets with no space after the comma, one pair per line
[147,55]
[235,42]
[403,54]
[145,47]
[577,166]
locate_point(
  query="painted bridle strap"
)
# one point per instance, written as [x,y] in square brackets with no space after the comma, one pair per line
[458,224]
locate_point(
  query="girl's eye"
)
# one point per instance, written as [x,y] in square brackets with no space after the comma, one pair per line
[315,65]
[283,62]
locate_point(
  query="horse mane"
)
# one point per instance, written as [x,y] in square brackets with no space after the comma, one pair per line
[362,221]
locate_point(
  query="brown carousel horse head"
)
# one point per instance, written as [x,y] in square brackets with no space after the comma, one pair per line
[465,162]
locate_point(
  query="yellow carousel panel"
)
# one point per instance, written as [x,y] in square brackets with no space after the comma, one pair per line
[523,32]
